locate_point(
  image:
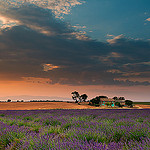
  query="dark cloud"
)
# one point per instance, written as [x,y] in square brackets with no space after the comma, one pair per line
[41,39]
[36,18]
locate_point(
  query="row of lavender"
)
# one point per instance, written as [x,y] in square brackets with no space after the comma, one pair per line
[75,129]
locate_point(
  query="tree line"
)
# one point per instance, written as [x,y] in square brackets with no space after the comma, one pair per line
[96,101]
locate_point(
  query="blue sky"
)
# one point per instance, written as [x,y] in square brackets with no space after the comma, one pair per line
[115,17]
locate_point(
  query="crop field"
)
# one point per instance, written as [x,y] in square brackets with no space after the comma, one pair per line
[142,103]
[75,129]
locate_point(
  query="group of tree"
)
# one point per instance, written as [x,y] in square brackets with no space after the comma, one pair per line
[20,101]
[45,101]
[128,103]
[79,98]
[9,100]
[118,98]
[95,101]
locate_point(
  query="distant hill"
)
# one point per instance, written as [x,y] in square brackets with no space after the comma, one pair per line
[30,97]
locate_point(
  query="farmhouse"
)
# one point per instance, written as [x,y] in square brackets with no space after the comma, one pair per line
[103,101]
[122,102]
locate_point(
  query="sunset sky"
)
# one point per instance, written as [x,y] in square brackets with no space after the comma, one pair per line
[49,48]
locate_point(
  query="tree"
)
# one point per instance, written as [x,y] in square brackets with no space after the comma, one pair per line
[92,101]
[121,98]
[115,98]
[75,96]
[95,101]
[118,104]
[129,103]
[102,96]
[83,97]
[9,100]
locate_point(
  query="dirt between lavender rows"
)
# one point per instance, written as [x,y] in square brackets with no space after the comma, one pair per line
[56,105]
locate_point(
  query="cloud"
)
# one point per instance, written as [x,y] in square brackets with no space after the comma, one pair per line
[140,63]
[115,39]
[80,35]
[36,19]
[79,27]
[114,71]
[110,35]
[131,83]
[37,80]
[148,19]
[47,67]
[58,7]
[7,22]
[39,45]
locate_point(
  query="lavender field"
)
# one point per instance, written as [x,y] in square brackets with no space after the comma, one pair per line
[75,130]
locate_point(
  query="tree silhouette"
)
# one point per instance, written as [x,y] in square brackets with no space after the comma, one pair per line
[83,97]
[117,104]
[115,98]
[129,103]
[95,100]
[75,96]
[121,98]
[9,100]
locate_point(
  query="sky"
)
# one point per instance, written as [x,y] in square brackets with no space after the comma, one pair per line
[49,48]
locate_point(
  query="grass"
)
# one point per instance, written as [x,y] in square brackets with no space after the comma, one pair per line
[142,103]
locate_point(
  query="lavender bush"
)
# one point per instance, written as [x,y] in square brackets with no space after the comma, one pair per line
[75,130]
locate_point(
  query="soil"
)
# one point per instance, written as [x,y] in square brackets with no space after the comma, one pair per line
[56,105]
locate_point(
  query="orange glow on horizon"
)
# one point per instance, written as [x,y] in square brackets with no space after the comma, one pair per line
[16,88]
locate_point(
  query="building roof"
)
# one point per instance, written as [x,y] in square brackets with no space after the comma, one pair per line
[107,99]
[120,101]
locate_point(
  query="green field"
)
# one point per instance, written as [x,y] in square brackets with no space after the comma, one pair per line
[142,103]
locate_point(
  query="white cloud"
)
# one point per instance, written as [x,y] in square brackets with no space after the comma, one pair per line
[110,35]
[79,27]
[7,22]
[58,7]
[81,35]
[148,19]
[115,39]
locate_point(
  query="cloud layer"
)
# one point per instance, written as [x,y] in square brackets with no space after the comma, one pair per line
[58,7]
[41,46]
